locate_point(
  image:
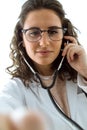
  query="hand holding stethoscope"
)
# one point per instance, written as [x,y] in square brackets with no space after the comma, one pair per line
[76,56]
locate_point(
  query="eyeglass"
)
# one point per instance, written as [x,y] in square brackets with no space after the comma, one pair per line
[35,34]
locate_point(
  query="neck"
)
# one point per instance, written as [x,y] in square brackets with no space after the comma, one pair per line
[50,77]
[44,70]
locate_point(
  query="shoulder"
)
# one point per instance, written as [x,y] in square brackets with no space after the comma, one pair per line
[12,95]
[14,85]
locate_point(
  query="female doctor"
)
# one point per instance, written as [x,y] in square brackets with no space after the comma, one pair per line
[49,72]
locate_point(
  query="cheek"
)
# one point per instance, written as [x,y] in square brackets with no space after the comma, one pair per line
[30,48]
[57,47]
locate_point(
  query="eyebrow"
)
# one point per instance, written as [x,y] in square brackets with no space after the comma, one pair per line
[31,28]
[51,27]
[54,27]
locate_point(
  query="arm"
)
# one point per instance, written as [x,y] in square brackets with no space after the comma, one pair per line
[77,58]
[82,83]
[13,115]
[11,96]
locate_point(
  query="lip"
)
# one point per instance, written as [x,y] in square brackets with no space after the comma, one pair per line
[44,52]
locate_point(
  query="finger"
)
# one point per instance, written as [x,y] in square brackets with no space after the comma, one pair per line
[31,121]
[71,39]
[72,53]
[6,123]
[67,47]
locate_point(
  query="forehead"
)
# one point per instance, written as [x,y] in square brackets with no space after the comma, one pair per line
[42,18]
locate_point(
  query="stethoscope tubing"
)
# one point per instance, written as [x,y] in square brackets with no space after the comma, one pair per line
[72,122]
[49,87]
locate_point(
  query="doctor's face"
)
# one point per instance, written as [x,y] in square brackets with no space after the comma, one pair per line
[42,36]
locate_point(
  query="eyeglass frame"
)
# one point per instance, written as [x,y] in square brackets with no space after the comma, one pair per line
[41,31]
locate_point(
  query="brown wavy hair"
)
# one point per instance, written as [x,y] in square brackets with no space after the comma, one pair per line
[19,68]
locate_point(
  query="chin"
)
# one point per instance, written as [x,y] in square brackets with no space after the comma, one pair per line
[44,63]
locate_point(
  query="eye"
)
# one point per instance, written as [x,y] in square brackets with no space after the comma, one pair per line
[53,31]
[33,32]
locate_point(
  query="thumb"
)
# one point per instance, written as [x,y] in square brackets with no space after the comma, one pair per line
[30,120]
[6,123]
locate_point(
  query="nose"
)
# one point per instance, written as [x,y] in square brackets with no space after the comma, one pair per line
[44,41]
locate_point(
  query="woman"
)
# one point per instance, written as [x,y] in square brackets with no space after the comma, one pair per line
[49,70]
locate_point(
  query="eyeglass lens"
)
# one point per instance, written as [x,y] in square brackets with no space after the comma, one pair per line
[35,34]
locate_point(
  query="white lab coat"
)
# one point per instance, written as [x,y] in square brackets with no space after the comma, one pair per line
[15,95]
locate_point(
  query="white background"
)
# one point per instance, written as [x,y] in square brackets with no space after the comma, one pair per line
[9,11]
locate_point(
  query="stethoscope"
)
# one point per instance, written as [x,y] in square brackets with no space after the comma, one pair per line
[72,122]
[37,75]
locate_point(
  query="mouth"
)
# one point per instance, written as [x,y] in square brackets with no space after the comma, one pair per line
[44,52]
